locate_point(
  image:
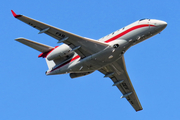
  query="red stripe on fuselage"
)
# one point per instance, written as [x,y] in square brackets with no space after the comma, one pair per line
[127,31]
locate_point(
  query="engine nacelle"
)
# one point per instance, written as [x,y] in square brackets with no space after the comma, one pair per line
[60,52]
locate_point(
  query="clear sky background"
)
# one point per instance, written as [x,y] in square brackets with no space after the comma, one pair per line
[26,93]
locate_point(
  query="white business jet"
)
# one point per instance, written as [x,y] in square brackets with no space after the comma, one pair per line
[80,56]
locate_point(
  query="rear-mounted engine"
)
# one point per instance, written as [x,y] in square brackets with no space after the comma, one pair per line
[60,52]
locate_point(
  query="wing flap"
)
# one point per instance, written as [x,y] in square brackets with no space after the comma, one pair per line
[35,45]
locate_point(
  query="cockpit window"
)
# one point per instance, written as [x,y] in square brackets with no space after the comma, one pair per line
[143,19]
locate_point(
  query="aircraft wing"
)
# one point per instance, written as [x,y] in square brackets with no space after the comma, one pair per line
[81,45]
[118,74]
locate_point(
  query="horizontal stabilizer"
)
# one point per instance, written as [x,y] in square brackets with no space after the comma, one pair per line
[37,46]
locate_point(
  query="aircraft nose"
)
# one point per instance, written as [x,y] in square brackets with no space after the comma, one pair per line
[162,24]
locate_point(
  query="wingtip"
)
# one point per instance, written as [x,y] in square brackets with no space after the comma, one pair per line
[17,39]
[139,110]
[20,38]
[15,15]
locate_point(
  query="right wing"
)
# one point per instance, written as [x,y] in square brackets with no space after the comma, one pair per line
[81,45]
[118,74]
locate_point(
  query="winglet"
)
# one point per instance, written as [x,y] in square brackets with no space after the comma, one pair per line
[15,15]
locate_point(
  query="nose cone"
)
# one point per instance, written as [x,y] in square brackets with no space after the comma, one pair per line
[159,25]
[162,24]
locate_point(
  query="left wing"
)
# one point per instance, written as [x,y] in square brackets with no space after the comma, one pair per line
[82,46]
[118,74]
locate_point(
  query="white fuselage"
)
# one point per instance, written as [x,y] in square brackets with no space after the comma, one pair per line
[118,42]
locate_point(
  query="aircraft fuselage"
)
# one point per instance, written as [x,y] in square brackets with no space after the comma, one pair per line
[118,43]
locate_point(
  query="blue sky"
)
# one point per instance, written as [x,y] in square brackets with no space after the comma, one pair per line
[26,93]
